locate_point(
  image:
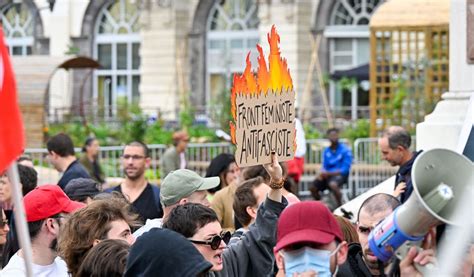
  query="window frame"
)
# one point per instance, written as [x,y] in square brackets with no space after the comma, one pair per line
[114,39]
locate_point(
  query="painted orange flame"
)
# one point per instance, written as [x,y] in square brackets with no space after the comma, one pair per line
[276,78]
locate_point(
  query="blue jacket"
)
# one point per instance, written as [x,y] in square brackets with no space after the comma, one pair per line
[74,170]
[341,159]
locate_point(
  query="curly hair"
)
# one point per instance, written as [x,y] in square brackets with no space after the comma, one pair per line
[28,178]
[90,224]
[106,259]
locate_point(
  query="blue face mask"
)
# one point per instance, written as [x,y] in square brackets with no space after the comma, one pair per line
[307,258]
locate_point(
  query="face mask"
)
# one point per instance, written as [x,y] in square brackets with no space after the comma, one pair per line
[307,258]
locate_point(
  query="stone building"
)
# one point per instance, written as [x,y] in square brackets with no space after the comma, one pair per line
[156,52]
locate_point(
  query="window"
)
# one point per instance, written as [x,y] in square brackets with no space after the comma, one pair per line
[349,33]
[18,28]
[232,33]
[349,47]
[117,48]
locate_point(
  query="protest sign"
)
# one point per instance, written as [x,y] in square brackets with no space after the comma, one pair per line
[263,109]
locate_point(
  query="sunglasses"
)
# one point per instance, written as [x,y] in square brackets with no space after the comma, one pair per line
[215,241]
[3,223]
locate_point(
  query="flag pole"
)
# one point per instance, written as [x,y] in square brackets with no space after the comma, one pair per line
[20,219]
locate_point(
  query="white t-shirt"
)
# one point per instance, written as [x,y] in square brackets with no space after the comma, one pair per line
[149,224]
[300,139]
[182,160]
[16,268]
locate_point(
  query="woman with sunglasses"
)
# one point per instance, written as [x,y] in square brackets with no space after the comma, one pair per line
[253,254]
[4,228]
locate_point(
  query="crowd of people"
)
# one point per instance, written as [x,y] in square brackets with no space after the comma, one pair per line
[232,222]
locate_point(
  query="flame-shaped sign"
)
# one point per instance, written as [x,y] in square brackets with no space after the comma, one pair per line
[263,110]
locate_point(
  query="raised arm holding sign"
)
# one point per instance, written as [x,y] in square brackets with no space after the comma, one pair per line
[263,109]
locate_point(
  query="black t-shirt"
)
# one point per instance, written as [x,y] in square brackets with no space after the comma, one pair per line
[145,205]
[74,170]
[355,265]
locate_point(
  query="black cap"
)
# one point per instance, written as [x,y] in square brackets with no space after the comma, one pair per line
[162,252]
[80,188]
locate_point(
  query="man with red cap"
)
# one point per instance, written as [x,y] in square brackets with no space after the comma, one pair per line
[309,241]
[46,208]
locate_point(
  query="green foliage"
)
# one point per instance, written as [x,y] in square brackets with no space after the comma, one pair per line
[133,122]
[186,114]
[203,132]
[346,83]
[156,134]
[221,110]
[312,132]
[72,50]
[361,129]
[326,79]
[400,94]
[151,174]
[105,134]
[186,118]
[132,126]
[76,130]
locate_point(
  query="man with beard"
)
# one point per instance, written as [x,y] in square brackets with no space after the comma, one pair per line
[46,209]
[144,197]
[361,261]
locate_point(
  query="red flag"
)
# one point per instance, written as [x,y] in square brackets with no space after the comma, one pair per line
[12,139]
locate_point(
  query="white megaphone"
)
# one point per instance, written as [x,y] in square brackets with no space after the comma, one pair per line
[439,177]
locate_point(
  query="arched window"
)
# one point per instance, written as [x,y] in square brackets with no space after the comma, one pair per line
[348,34]
[18,28]
[232,33]
[116,47]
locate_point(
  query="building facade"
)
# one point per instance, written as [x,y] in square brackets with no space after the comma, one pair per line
[162,53]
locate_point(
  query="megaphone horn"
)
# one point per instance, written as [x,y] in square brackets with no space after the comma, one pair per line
[439,177]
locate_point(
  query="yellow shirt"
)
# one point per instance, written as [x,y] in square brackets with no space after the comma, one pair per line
[222,205]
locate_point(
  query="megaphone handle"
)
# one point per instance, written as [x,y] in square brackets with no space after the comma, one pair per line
[402,252]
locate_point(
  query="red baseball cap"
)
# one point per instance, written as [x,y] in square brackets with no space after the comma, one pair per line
[306,222]
[48,200]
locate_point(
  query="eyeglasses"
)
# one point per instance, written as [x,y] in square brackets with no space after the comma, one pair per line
[134,157]
[3,223]
[215,241]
